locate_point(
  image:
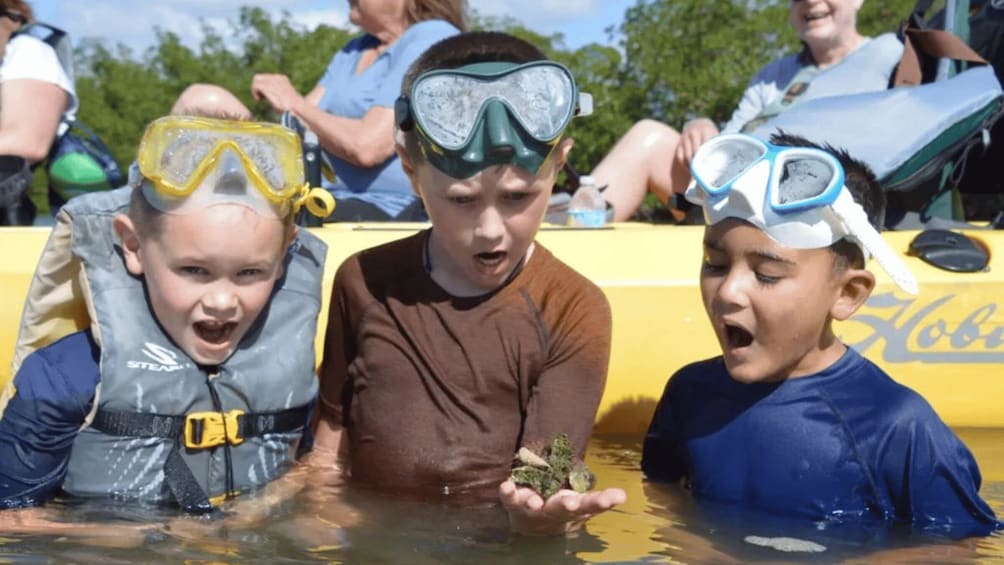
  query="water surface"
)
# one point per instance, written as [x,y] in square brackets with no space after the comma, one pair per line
[658,524]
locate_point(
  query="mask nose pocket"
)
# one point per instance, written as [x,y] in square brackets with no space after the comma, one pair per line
[232,179]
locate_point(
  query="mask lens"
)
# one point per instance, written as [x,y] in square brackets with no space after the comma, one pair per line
[264,155]
[175,155]
[720,164]
[448,105]
[540,98]
[803,178]
[181,154]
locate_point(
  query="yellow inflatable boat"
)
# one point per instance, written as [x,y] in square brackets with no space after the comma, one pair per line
[947,343]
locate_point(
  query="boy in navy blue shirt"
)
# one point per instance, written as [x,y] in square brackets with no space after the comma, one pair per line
[789,419]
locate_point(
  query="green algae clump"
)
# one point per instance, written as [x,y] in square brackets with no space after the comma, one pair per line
[551,467]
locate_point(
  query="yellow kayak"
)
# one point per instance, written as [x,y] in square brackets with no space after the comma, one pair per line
[947,343]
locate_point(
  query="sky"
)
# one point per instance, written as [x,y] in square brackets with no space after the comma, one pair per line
[131,22]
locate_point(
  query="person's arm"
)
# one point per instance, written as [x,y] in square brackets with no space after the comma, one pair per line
[47,403]
[931,476]
[564,400]
[367,141]
[364,142]
[694,134]
[662,457]
[47,406]
[30,112]
[334,393]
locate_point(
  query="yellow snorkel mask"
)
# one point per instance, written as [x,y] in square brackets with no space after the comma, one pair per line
[179,154]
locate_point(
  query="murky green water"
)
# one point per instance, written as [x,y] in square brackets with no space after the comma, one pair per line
[657,525]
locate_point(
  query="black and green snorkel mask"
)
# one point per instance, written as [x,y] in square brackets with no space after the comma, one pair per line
[494,113]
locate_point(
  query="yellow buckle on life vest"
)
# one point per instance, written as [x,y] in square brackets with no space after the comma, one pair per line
[209,429]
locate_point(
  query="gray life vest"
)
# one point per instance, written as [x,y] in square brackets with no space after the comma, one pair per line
[164,429]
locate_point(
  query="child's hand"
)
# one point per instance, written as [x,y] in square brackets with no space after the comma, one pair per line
[563,512]
[43,521]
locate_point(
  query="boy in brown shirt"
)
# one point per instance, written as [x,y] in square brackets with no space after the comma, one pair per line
[449,350]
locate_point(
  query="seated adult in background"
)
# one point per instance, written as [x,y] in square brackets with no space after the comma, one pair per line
[351,109]
[835,59]
[36,97]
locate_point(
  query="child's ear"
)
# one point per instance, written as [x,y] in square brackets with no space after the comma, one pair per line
[562,152]
[407,164]
[402,153]
[126,230]
[856,287]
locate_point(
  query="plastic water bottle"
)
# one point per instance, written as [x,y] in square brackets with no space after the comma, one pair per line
[587,209]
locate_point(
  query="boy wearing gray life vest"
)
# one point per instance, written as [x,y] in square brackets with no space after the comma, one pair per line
[166,348]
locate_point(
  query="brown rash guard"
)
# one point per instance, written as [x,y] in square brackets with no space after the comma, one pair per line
[436,393]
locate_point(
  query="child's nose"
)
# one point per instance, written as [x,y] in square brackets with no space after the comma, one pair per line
[491,224]
[732,292]
[221,301]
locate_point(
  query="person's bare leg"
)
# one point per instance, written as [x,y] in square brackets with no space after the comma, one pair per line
[210,100]
[641,161]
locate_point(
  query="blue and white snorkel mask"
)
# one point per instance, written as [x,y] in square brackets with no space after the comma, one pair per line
[493,113]
[796,195]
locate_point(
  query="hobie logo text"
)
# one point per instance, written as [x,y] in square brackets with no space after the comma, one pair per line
[935,332]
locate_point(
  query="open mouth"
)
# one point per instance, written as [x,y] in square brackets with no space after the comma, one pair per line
[490,258]
[215,332]
[737,337]
[813,17]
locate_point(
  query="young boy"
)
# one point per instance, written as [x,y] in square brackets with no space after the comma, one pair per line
[190,374]
[789,419]
[449,350]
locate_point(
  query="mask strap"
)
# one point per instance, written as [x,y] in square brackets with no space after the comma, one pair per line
[318,201]
[856,223]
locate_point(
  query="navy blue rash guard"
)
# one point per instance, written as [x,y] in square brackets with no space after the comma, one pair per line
[54,391]
[845,443]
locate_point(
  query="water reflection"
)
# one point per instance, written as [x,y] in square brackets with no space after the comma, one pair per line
[658,524]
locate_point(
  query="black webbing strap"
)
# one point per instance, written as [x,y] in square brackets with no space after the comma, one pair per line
[256,425]
[142,424]
[177,474]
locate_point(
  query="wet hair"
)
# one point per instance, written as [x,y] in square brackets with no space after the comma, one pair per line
[460,50]
[861,184]
[452,11]
[17,10]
